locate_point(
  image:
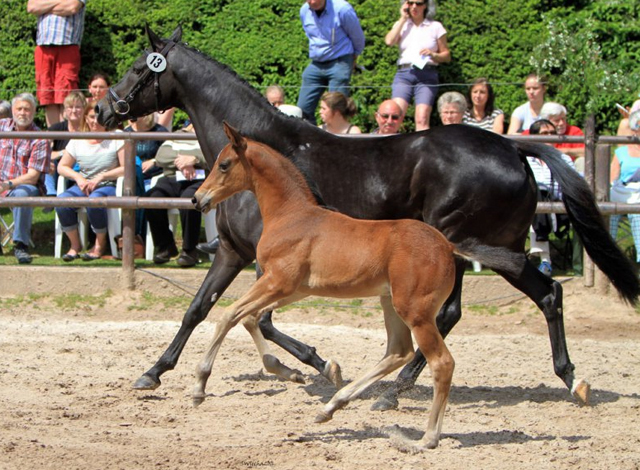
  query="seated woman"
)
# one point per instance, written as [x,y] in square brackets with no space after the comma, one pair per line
[625,179]
[335,111]
[100,163]
[481,111]
[549,190]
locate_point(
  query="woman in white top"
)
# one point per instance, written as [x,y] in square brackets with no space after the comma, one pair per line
[529,112]
[423,46]
[99,164]
[335,111]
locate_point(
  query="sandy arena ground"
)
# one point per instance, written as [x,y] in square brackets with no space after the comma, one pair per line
[66,400]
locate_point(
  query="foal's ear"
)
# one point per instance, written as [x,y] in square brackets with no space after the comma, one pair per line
[238,142]
[176,36]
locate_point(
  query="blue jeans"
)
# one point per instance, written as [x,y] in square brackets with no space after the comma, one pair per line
[23,216]
[97,215]
[334,74]
[634,219]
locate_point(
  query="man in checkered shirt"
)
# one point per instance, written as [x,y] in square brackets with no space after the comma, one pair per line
[23,163]
[57,54]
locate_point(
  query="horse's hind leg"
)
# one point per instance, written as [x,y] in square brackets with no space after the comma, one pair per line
[547,294]
[226,266]
[399,351]
[447,318]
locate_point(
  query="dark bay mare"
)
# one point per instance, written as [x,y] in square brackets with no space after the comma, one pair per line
[474,186]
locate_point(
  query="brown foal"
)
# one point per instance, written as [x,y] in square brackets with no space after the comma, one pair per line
[308,250]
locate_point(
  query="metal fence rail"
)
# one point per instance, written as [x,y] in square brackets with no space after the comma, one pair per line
[597,156]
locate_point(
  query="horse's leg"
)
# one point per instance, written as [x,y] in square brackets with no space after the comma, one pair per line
[306,354]
[399,351]
[449,315]
[266,293]
[271,362]
[547,294]
[226,266]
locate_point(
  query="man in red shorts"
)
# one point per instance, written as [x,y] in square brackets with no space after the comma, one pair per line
[57,54]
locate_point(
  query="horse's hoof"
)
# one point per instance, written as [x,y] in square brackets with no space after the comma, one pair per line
[197,400]
[582,392]
[333,373]
[385,404]
[431,444]
[323,417]
[146,382]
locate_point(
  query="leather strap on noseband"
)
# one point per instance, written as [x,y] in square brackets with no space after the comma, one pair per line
[120,108]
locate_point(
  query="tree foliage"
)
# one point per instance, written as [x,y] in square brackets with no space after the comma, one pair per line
[263,41]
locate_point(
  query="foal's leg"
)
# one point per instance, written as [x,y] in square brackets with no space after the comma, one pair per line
[447,318]
[399,352]
[260,297]
[271,362]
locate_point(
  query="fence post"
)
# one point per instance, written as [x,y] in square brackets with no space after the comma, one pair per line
[602,164]
[129,218]
[589,174]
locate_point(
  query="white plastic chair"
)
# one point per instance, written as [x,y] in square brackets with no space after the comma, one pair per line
[114,222]
[174,219]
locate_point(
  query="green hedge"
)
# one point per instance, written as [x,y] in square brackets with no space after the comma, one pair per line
[264,42]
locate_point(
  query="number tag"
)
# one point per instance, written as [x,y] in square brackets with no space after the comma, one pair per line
[156,62]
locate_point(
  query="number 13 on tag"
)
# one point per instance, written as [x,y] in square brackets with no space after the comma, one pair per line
[156,62]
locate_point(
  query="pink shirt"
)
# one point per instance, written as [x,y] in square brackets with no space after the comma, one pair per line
[415,38]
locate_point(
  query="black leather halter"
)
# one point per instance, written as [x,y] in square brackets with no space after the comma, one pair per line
[120,107]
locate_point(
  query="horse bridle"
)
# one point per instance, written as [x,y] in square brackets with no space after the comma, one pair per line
[120,107]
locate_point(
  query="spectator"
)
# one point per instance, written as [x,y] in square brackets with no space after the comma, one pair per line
[335,111]
[275,95]
[625,180]
[557,114]
[5,109]
[423,47]
[389,117]
[544,224]
[23,162]
[146,167]
[623,126]
[165,118]
[451,107]
[481,111]
[99,84]
[99,164]
[57,53]
[183,165]
[335,41]
[74,106]
[529,112]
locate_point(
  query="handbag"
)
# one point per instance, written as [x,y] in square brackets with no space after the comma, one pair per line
[628,193]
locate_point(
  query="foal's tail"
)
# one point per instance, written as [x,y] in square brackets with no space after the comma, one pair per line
[587,221]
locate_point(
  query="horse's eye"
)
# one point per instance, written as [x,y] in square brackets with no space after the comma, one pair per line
[224,166]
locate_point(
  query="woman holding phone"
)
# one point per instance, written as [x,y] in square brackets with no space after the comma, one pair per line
[423,47]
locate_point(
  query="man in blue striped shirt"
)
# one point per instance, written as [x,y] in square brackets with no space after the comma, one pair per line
[335,41]
[57,54]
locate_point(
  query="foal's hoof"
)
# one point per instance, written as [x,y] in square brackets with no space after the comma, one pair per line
[197,400]
[297,377]
[146,382]
[323,417]
[333,373]
[582,391]
[385,404]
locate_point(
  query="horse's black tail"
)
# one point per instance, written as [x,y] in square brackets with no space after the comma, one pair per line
[587,221]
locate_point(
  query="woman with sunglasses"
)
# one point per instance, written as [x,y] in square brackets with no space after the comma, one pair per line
[423,47]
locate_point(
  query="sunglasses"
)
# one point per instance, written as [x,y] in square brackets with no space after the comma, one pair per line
[548,133]
[394,117]
[418,4]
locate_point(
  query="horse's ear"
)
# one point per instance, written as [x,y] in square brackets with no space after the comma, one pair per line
[238,142]
[154,39]
[176,36]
